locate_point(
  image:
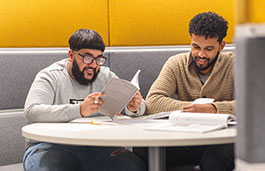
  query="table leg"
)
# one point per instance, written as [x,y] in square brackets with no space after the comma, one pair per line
[157,158]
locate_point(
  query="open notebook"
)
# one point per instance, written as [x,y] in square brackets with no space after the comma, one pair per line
[192,122]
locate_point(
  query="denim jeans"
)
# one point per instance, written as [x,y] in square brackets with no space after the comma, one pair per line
[56,157]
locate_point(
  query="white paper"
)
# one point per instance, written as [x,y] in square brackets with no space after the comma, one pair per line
[142,122]
[74,127]
[135,79]
[187,118]
[194,122]
[157,115]
[203,101]
[188,128]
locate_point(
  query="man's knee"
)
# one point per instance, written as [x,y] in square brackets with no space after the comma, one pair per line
[218,158]
[44,157]
[129,160]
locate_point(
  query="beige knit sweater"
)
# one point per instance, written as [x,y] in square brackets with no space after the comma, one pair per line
[178,76]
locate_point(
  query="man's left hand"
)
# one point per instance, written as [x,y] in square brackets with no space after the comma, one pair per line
[135,103]
[200,108]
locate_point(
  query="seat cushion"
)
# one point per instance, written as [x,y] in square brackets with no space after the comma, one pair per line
[12,143]
[12,167]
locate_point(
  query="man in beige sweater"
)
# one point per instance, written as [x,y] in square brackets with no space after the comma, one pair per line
[204,72]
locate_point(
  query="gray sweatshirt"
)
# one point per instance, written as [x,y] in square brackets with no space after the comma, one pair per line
[54,95]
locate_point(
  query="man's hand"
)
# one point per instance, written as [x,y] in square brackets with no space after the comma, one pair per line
[200,108]
[91,104]
[135,103]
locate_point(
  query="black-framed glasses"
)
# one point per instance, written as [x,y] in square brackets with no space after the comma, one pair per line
[88,59]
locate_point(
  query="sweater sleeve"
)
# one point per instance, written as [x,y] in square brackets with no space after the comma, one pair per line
[39,105]
[140,112]
[160,96]
[225,106]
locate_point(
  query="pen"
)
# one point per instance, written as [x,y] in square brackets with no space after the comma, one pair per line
[93,123]
[116,115]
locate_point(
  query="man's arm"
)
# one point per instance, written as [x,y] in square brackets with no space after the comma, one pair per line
[40,107]
[216,107]
[200,108]
[160,96]
[226,106]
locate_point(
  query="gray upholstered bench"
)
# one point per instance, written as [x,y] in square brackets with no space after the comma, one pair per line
[11,143]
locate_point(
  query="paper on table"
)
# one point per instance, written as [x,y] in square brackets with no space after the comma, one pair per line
[203,101]
[186,118]
[73,127]
[160,115]
[194,122]
[187,128]
[141,122]
[135,79]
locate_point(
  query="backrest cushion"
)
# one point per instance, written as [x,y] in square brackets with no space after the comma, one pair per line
[125,63]
[18,70]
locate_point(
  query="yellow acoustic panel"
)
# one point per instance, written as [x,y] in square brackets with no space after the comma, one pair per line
[250,11]
[241,11]
[159,22]
[256,11]
[49,23]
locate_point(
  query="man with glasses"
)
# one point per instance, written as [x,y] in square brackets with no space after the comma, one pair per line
[70,89]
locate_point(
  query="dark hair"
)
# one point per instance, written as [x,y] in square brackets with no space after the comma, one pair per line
[86,39]
[208,24]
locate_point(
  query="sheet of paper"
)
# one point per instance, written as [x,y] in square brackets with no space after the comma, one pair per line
[135,79]
[189,128]
[157,115]
[203,101]
[142,122]
[186,118]
[75,127]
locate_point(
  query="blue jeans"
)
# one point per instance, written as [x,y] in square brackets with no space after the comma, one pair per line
[56,157]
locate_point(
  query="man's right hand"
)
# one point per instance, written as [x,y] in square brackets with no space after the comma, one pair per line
[91,104]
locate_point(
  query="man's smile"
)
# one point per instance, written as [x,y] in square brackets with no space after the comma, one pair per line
[202,61]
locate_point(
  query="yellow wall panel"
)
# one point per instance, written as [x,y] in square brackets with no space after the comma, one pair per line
[241,11]
[157,22]
[49,23]
[256,11]
[249,11]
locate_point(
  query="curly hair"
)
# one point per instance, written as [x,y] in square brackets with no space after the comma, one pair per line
[208,24]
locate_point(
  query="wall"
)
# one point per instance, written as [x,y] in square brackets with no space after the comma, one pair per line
[49,23]
[158,22]
[250,81]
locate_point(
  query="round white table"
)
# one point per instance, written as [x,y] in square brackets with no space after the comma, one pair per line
[104,132]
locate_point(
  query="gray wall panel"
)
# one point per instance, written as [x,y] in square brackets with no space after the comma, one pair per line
[18,70]
[250,96]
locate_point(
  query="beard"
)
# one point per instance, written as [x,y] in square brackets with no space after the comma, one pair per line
[79,75]
[200,67]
